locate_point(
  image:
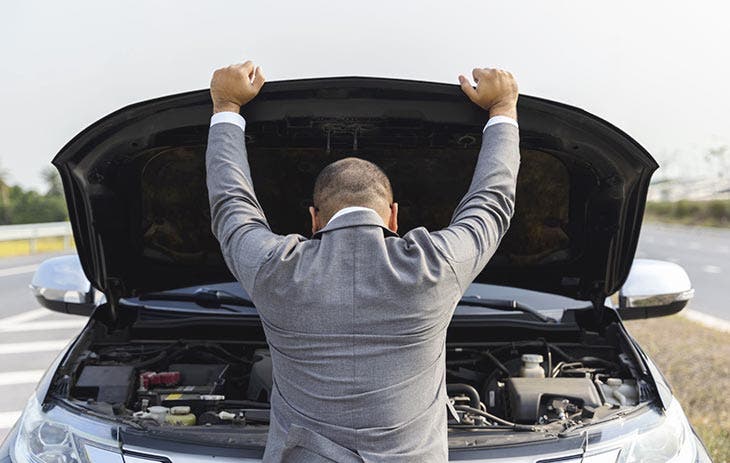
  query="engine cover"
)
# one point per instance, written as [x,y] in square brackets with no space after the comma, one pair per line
[528,398]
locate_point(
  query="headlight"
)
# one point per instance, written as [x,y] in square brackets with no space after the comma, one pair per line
[42,439]
[671,441]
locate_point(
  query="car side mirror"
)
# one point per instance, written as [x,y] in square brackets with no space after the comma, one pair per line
[654,288]
[59,284]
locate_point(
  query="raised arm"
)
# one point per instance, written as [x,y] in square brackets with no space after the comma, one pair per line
[238,222]
[482,217]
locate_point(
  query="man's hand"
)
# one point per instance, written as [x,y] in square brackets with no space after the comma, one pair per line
[496,91]
[234,86]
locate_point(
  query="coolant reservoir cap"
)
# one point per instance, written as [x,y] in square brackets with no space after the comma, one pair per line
[532,358]
[180,410]
[614,381]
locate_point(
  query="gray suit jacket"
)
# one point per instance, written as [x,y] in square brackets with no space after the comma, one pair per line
[356,317]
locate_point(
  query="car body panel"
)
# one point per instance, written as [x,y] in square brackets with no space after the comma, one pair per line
[135,180]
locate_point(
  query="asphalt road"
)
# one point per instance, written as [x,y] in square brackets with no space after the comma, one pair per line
[30,336]
[703,252]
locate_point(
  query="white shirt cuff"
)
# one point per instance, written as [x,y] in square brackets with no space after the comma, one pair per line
[500,120]
[238,120]
[230,118]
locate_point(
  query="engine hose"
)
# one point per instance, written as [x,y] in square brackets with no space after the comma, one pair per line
[482,353]
[496,419]
[474,399]
[247,404]
[496,361]
[560,351]
[549,356]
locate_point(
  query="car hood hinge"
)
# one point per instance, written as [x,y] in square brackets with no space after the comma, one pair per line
[114,291]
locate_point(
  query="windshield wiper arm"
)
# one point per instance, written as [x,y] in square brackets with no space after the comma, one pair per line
[216,298]
[508,305]
[205,297]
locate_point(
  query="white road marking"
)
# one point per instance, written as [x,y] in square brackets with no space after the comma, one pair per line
[694,245]
[707,320]
[724,249]
[11,378]
[8,419]
[24,317]
[711,269]
[43,325]
[35,346]
[6,272]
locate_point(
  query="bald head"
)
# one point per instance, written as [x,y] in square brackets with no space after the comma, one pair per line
[352,182]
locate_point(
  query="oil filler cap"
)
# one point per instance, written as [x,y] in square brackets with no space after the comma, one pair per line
[531,358]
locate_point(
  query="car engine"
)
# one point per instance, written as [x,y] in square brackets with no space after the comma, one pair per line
[522,385]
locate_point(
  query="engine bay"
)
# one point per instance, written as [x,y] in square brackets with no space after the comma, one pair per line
[531,383]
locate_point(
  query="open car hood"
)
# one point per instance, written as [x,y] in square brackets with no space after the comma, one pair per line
[135,180]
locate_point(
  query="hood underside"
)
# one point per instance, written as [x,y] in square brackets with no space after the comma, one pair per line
[135,180]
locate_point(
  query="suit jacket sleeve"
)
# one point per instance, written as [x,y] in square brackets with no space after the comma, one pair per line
[237,219]
[482,217]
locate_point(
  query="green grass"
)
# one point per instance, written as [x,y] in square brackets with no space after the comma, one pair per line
[23,247]
[715,213]
[695,361]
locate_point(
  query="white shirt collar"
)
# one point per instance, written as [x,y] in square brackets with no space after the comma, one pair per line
[347,210]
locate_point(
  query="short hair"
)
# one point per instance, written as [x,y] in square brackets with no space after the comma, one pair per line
[351,182]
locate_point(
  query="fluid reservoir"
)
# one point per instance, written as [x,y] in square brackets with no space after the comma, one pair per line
[531,367]
[620,392]
[180,416]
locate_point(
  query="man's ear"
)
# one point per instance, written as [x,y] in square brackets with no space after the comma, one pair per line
[393,219]
[315,219]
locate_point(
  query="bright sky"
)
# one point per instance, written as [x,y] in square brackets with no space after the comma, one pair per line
[657,69]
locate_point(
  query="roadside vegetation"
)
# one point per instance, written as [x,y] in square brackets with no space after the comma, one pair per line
[694,360]
[714,213]
[18,205]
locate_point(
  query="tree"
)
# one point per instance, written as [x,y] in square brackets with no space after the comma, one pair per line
[53,181]
[4,196]
[29,206]
[18,205]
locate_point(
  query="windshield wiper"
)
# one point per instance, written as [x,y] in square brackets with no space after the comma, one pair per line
[507,305]
[216,298]
[204,297]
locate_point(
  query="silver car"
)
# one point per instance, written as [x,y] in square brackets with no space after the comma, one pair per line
[173,365]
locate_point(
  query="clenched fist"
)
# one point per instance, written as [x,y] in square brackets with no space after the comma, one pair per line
[496,91]
[234,86]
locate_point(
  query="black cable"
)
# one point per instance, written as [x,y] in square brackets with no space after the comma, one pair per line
[560,351]
[496,361]
[488,355]
[549,357]
[476,411]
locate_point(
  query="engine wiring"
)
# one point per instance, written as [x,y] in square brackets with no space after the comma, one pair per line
[488,385]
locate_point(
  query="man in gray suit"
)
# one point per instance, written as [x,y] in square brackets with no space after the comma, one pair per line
[356,316]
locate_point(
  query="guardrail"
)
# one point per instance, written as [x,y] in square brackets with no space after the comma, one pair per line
[34,231]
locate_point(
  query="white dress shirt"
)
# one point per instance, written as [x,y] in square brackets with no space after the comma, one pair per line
[238,120]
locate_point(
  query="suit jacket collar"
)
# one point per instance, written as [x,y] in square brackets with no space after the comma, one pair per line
[355,219]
